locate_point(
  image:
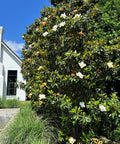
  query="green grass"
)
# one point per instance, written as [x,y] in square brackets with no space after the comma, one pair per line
[12,103]
[9,103]
[28,128]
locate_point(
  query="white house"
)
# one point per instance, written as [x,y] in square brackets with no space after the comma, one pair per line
[10,73]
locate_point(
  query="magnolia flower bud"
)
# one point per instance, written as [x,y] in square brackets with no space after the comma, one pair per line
[43,23]
[75,11]
[81,33]
[60,9]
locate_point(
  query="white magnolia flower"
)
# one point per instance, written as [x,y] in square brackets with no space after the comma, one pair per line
[110,64]
[75,52]
[45,18]
[82,64]
[62,24]
[40,68]
[102,108]
[72,140]
[37,29]
[82,104]
[30,45]
[45,33]
[42,96]
[77,16]
[54,28]
[80,75]
[63,16]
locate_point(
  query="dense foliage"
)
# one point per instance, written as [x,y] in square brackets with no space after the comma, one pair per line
[71,61]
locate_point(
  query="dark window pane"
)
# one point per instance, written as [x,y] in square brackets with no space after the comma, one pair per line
[12,79]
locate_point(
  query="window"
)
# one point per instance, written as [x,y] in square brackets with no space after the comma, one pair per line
[12,79]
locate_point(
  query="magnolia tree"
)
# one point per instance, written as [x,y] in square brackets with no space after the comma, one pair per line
[72,71]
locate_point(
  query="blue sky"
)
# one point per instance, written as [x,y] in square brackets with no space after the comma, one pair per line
[15,16]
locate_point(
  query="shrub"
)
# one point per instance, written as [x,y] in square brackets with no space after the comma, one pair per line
[28,128]
[72,66]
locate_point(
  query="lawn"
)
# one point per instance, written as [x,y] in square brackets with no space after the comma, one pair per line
[12,103]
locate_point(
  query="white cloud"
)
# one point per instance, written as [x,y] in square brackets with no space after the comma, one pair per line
[16,47]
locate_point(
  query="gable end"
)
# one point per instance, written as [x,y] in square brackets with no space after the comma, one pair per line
[11,51]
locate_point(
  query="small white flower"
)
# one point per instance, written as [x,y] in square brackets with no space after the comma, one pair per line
[22,36]
[102,108]
[119,115]
[75,52]
[72,140]
[82,104]
[30,45]
[42,96]
[80,75]
[110,64]
[77,16]
[82,64]
[45,33]
[37,29]
[63,16]
[45,18]
[54,28]
[62,24]
[40,68]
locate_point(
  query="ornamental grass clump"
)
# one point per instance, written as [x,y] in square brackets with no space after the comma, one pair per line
[28,128]
[77,70]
